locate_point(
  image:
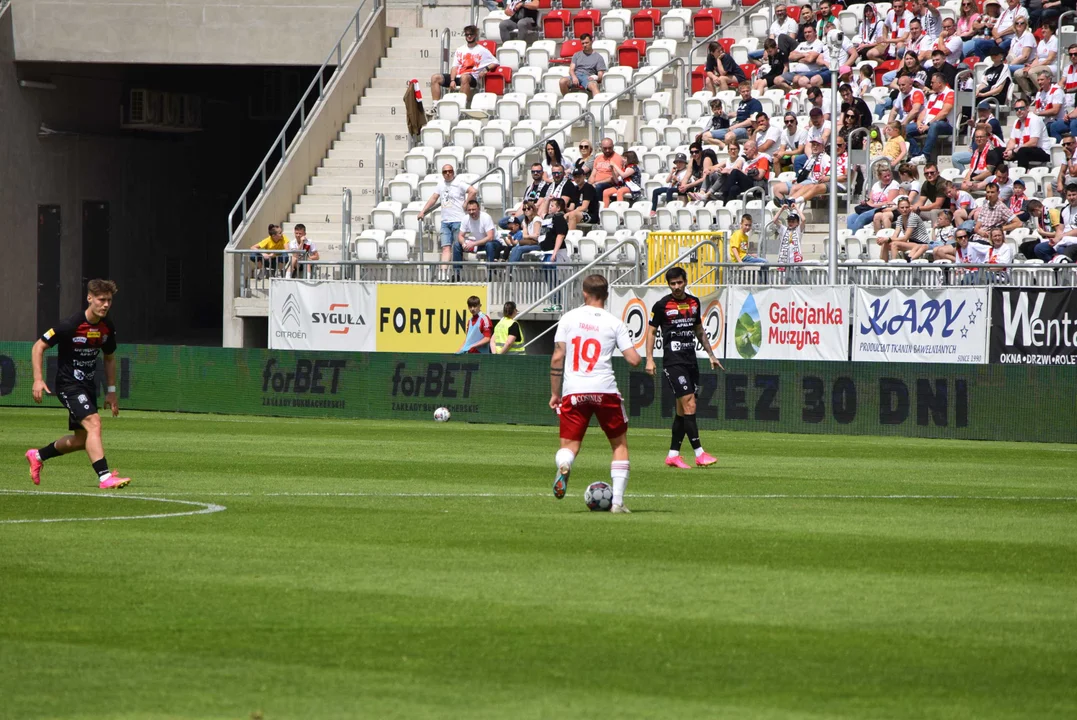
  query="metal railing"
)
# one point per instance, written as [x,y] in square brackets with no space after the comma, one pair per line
[684,255]
[1058,33]
[446,50]
[850,165]
[346,223]
[309,102]
[957,105]
[4,5]
[878,273]
[379,167]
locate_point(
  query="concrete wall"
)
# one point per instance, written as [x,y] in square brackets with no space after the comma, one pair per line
[308,152]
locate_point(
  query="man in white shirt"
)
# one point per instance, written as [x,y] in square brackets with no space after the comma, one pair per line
[453,193]
[470,63]
[476,231]
[583,349]
[949,42]
[1065,240]
[793,141]
[818,129]
[897,23]
[1028,138]
[910,101]
[918,42]
[767,136]
[935,119]
[782,31]
[1050,102]
[807,63]
[929,17]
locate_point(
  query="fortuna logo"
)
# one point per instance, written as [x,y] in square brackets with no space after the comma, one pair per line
[290,310]
[337,318]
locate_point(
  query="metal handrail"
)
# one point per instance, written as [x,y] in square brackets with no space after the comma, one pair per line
[957,105]
[651,73]
[585,268]
[446,40]
[4,5]
[1058,33]
[379,167]
[849,165]
[553,326]
[685,254]
[345,223]
[474,16]
[335,58]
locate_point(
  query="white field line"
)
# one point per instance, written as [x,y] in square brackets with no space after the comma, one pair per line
[674,496]
[203,508]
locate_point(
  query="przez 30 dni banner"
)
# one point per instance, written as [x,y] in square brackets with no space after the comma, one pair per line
[1032,326]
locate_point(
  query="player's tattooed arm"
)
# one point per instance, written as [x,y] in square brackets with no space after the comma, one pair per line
[557,369]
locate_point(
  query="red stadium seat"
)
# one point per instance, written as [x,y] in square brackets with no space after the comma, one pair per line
[661,3]
[750,69]
[884,67]
[645,23]
[631,4]
[489,45]
[571,4]
[835,9]
[631,53]
[749,3]
[555,24]
[706,21]
[499,80]
[699,77]
[691,3]
[971,61]
[793,11]
[545,4]
[585,21]
[726,43]
[568,49]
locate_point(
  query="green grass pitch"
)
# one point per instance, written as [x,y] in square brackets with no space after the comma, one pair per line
[413,570]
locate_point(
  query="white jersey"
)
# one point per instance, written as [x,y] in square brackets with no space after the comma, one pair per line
[590,335]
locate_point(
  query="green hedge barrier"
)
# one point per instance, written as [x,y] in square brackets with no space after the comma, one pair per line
[981,402]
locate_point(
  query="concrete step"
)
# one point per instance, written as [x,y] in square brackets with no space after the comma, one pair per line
[397,85]
[394,142]
[348,168]
[361,194]
[407,72]
[376,122]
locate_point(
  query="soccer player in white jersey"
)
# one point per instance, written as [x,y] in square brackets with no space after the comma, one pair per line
[583,348]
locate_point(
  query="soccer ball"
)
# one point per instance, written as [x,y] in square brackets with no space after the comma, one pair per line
[598,496]
[442,414]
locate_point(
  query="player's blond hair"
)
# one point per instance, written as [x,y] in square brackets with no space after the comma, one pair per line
[101,287]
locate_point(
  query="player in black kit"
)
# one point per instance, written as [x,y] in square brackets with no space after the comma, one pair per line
[679,317]
[78,340]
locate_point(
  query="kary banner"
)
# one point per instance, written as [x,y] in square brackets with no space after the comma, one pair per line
[634,305]
[425,318]
[1032,326]
[920,325]
[306,315]
[789,323]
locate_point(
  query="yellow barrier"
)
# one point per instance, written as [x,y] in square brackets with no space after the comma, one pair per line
[664,247]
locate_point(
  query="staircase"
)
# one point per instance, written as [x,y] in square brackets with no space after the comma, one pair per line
[413,53]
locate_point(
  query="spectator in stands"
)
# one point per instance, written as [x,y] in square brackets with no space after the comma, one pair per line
[1044,60]
[522,21]
[560,186]
[865,82]
[1018,201]
[862,113]
[911,234]
[818,129]
[738,242]
[883,196]
[627,183]
[745,120]
[986,117]
[870,40]
[551,156]
[824,17]
[1028,137]
[1000,30]
[508,337]
[1062,237]
[1005,184]
[775,64]
[807,18]
[721,71]
[1022,48]
[476,231]
[530,233]
[918,43]
[938,63]
[909,182]
[807,63]
[679,178]
[1049,104]
[1067,172]
[789,243]
[1044,225]
[755,171]
[453,193]
[946,49]
[933,198]
[767,136]
[469,66]
[479,329]
[586,160]
[818,99]
[302,249]
[511,240]
[942,232]
[714,174]
[995,83]
[896,147]
[580,203]
[996,252]
[534,192]
[1064,244]
[906,104]
[602,172]
[897,25]
[794,141]
[816,172]
[699,166]
[274,242]
[553,247]
[969,24]
[961,205]
[992,213]
[958,252]
[935,119]
[586,70]
[982,162]
[719,126]
[783,31]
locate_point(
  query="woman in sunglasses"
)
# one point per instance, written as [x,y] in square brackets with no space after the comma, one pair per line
[968,21]
[586,160]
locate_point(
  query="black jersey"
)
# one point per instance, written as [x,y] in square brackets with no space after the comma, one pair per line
[676,320]
[77,343]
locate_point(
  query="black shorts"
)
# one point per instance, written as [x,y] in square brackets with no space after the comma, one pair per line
[684,379]
[445,80]
[80,401]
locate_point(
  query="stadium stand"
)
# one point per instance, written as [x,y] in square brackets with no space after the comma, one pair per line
[652,102]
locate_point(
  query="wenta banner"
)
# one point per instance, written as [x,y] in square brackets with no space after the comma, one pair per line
[307,315]
[920,326]
[633,306]
[1031,326]
[789,323]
